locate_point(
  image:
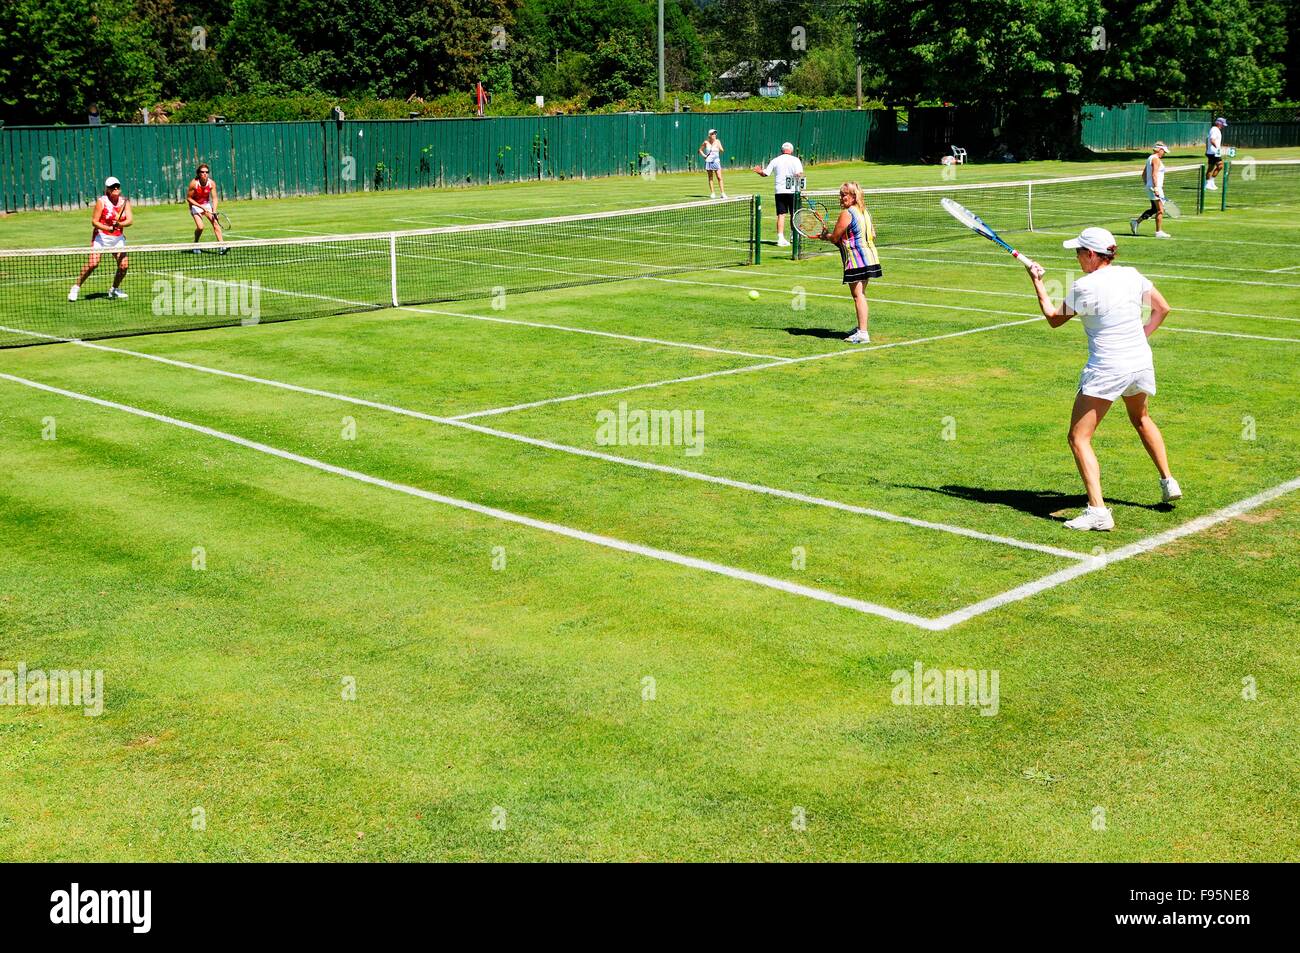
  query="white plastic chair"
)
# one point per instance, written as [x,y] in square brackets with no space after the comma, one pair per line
[959,154]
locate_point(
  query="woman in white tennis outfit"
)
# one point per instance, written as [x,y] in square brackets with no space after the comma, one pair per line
[1109,299]
[111,214]
[711,149]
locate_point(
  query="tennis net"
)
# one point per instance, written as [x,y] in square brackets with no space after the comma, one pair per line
[907,216]
[1251,183]
[183,287]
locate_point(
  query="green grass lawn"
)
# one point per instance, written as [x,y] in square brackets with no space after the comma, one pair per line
[578,650]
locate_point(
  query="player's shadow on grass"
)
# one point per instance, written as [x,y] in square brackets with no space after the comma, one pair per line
[824,333]
[1044,504]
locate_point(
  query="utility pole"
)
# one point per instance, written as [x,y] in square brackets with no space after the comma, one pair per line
[661,50]
[859,84]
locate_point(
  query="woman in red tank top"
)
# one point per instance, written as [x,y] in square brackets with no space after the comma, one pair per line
[112,213]
[202,196]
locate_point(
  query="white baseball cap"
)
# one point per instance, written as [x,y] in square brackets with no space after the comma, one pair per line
[1093,239]
[1221,122]
[111,181]
[787,147]
[1161,146]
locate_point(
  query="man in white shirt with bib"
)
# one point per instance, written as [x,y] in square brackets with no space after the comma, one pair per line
[787,173]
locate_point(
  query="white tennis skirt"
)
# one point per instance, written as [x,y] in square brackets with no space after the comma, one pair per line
[200,209]
[1111,385]
[102,242]
[712,164]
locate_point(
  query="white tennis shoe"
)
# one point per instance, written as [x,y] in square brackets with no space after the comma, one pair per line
[858,337]
[782,242]
[1093,517]
[72,294]
[1133,224]
[1170,490]
[116,293]
[1163,235]
[1210,186]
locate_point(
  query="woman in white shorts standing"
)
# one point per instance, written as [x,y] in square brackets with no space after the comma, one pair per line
[111,214]
[1109,299]
[711,149]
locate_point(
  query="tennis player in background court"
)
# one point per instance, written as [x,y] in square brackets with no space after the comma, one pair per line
[202,196]
[111,214]
[711,149]
[1153,177]
[855,235]
[787,173]
[1109,299]
[1214,152]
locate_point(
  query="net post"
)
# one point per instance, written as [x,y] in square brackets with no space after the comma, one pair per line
[1223,189]
[1200,194]
[1029,205]
[795,237]
[758,229]
[392,266]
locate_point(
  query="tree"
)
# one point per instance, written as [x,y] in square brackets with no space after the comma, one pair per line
[1183,53]
[1022,62]
[57,57]
[830,70]
[622,64]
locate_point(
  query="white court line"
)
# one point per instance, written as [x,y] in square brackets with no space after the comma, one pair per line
[1181,239]
[1126,552]
[740,370]
[369,305]
[608,542]
[965,263]
[923,304]
[1127,261]
[1019,295]
[1280,271]
[576,451]
[1228,334]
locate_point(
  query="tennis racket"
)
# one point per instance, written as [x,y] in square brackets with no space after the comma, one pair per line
[809,219]
[223,220]
[977,225]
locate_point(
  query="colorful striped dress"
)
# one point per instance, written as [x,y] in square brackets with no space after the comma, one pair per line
[857,250]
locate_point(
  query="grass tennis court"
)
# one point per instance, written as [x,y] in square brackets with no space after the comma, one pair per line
[566,647]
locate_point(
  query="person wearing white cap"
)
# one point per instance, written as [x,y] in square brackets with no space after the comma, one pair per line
[787,171]
[711,149]
[1109,299]
[1214,152]
[1153,177]
[111,214]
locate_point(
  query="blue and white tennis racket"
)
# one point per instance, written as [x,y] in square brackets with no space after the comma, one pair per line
[978,226]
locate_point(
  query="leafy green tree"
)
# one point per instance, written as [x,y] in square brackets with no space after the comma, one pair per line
[1184,53]
[622,64]
[57,57]
[830,70]
[1022,62]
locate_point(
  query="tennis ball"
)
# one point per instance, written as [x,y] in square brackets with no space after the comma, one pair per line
[753,294]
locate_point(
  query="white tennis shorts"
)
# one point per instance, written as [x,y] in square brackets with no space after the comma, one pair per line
[1111,385]
[712,164]
[102,242]
[200,209]
[1155,196]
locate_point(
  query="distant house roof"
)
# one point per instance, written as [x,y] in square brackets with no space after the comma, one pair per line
[766,67]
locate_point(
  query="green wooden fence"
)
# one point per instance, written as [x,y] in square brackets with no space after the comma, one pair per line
[1134,126]
[64,167]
